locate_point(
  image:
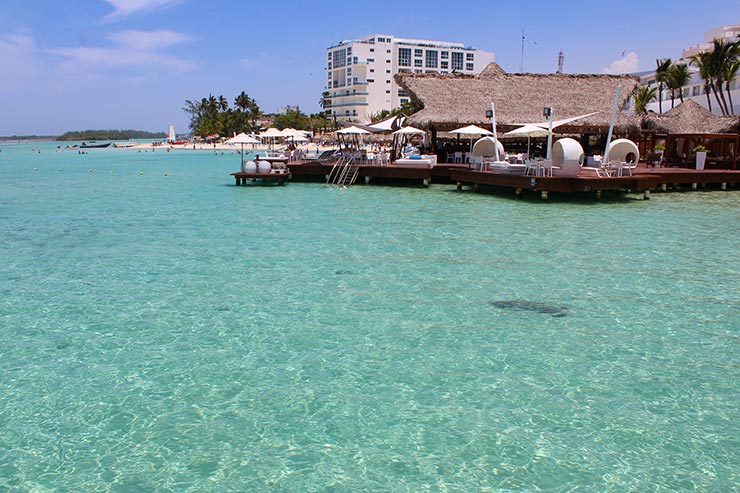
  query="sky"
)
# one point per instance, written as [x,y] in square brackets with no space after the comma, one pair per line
[89,64]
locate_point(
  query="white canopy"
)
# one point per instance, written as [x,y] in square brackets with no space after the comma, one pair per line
[485,147]
[242,138]
[471,130]
[387,125]
[409,131]
[527,131]
[352,131]
[271,132]
[557,123]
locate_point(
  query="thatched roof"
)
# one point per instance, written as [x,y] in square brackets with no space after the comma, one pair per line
[451,99]
[690,117]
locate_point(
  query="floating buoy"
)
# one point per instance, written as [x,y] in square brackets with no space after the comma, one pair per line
[61,169]
[141,173]
[90,170]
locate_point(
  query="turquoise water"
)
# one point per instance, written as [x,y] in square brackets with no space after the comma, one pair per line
[177,333]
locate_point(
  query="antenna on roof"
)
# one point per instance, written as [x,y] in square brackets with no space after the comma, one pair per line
[561,61]
[521,63]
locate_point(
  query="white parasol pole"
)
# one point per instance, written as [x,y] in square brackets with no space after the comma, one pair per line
[612,122]
[495,135]
[549,136]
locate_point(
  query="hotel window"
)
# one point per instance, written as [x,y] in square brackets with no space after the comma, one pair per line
[387,61]
[372,70]
[370,60]
[329,66]
[354,60]
[431,59]
[387,71]
[470,57]
[340,58]
[444,64]
[387,51]
[418,71]
[457,60]
[402,93]
[388,91]
[387,82]
[349,60]
[469,66]
[445,55]
[418,62]
[404,57]
[418,52]
[349,70]
[695,91]
[404,100]
[372,50]
[349,51]
[370,80]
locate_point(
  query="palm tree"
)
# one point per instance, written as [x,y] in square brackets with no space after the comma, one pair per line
[644,96]
[679,76]
[730,72]
[223,103]
[661,77]
[324,101]
[242,101]
[703,62]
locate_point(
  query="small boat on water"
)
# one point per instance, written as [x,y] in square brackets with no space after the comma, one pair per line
[119,145]
[85,145]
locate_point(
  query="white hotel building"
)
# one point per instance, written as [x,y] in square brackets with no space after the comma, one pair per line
[359,73]
[695,88]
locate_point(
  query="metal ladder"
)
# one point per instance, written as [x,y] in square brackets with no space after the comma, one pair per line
[344,173]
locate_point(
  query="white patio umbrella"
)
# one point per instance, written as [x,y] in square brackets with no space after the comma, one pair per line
[528,131]
[471,131]
[354,132]
[409,131]
[242,139]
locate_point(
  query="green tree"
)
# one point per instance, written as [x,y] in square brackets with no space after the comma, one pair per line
[644,96]
[292,118]
[730,72]
[703,62]
[678,77]
[661,77]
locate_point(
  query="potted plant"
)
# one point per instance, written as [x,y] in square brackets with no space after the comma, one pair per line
[701,156]
[659,149]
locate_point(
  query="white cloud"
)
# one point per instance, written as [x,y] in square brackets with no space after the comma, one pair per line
[624,65]
[18,58]
[130,49]
[124,8]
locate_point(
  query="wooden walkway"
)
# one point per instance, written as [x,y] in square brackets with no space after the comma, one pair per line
[313,171]
[643,181]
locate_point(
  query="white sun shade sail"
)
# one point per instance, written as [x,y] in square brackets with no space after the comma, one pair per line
[557,123]
[409,131]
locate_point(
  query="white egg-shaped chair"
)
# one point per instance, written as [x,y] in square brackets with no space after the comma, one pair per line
[483,148]
[249,167]
[623,150]
[264,167]
[567,154]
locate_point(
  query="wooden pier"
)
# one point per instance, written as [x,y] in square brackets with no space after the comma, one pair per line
[557,184]
[242,178]
[644,180]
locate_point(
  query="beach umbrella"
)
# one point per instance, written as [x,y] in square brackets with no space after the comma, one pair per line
[242,139]
[409,131]
[355,132]
[528,131]
[471,131]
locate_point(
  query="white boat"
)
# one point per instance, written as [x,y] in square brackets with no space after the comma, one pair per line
[171,133]
[130,143]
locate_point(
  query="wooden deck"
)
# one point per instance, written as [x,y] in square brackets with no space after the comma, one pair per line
[643,181]
[557,184]
[696,178]
[242,178]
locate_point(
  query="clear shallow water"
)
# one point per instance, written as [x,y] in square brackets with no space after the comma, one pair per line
[177,333]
